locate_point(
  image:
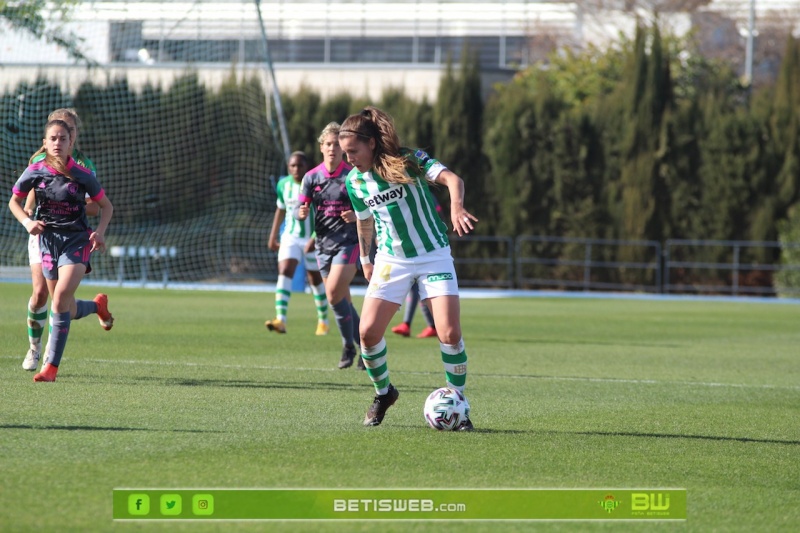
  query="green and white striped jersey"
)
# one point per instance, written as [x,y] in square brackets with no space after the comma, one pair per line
[288,192]
[406,222]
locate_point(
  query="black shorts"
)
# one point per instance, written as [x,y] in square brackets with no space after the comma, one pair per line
[64,248]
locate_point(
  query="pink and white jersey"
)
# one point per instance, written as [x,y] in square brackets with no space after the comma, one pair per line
[327,192]
[60,201]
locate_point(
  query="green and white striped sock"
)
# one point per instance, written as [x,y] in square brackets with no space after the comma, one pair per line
[454,357]
[377,369]
[283,291]
[321,302]
[37,318]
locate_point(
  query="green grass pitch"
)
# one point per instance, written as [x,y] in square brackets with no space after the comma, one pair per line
[190,391]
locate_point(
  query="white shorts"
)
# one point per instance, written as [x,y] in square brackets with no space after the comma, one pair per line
[34,254]
[434,273]
[292,248]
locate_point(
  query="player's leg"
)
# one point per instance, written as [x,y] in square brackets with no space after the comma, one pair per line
[375,317]
[388,287]
[37,306]
[283,293]
[62,292]
[438,285]
[289,255]
[337,289]
[318,290]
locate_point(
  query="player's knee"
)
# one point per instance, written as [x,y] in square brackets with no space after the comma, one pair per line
[39,297]
[369,335]
[449,334]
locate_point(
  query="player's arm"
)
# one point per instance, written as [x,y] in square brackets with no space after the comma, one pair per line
[92,209]
[20,193]
[462,220]
[30,203]
[280,215]
[303,208]
[15,204]
[366,234]
[98,235]
[311,245]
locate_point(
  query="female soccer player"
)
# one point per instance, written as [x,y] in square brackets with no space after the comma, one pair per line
[291,249]
[65,239]
[37,305]
[389,191]
[336,239]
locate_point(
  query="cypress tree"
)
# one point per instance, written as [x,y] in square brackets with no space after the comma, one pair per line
[458,131]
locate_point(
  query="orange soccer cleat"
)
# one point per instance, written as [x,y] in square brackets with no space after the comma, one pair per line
[402,329]
[427,332]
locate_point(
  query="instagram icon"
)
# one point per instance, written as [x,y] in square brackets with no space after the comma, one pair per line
[203,504]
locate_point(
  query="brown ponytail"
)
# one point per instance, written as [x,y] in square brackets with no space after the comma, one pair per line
[388,162]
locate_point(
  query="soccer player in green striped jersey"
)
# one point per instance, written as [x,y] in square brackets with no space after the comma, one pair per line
[37,305]
[389,190]
[292,246]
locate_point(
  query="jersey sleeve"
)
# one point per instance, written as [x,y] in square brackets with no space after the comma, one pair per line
[93,187]
[306,190]
[359,206]
[430,166]
[281,203]
[24,184]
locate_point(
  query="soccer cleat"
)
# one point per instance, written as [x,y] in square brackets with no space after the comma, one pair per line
[348,354]
[466,426]
[402,329]
[380,404]
[48,373]
[276,324]
[31,361]
[322,328]
[427,332]
[103,315]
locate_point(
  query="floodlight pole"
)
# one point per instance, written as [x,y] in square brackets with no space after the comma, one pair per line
[276,95]
[748,58]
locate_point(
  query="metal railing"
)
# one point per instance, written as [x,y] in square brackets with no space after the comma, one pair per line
[576,266]
[746,265]
[481,269]
[526,262]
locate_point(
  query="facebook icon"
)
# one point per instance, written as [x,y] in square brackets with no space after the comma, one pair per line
[138,504]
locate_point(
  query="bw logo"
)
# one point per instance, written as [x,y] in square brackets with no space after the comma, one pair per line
[609,503]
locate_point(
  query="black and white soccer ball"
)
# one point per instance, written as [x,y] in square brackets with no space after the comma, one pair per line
[446,409]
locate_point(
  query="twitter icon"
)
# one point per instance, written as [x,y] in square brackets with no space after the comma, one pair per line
[170,504]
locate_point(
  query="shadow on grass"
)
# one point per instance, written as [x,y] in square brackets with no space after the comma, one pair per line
[101,428]
[365,385]
[676,436]
[487,431]
[212,382]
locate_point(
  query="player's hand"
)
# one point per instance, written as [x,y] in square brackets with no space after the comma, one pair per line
[274,245]
[302,211]
[462,221]
[368,270]
[35,227]
[98,242]
[348,216]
